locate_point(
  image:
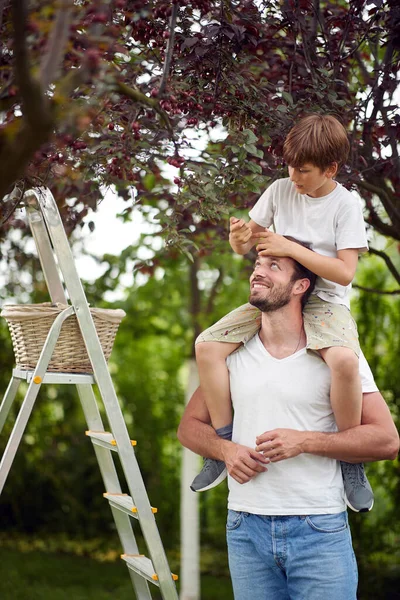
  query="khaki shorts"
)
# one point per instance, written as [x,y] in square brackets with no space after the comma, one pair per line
[325,324]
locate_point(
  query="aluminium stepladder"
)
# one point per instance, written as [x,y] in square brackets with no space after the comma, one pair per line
[52,243]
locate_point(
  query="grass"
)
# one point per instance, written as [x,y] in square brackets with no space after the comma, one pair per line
[37,575]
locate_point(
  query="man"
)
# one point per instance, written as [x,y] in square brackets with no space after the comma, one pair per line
[287,530]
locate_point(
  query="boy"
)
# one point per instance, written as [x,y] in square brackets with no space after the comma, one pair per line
[312,207]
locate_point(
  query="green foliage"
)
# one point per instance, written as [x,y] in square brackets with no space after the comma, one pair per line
[376,537]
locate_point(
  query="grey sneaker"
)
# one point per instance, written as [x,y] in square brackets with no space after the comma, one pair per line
[358,491]
[211,475]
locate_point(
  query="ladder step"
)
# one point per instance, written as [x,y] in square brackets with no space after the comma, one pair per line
[105,439]
[124,503]
[143,566]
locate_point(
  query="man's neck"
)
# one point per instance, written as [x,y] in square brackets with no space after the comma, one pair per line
[282,332]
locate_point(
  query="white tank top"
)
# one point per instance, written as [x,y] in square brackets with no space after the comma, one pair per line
[293,392]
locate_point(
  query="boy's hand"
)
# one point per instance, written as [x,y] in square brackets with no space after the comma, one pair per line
[272,244]
[239,232]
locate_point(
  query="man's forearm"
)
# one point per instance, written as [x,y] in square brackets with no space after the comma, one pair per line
[364,443]
[200,438]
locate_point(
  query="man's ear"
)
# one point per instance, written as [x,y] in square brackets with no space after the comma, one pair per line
[301,286]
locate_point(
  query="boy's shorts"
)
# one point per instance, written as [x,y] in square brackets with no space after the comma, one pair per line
[325,324]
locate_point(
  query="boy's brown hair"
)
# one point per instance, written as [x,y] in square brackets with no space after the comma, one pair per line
[317,139]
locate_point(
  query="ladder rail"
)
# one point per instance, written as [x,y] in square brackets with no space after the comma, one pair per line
[30,397]
[8,400]
[103,379]
[45,251]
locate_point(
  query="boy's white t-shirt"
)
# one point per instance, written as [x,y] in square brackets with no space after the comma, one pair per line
[269,393]
[330,223]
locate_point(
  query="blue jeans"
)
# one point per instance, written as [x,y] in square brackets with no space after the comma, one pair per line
[291,557]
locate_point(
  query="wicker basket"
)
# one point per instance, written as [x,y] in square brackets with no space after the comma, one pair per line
[29,325]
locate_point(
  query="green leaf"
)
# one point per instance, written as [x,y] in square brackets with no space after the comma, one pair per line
[254,167]
[251,149]
[242,154]
[288,97]
[187,254]
[149,181]
[251,137]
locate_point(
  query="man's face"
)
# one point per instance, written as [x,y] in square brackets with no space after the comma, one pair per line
[310,180]
[270,283]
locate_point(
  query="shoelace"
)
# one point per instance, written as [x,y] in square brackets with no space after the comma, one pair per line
[355,474]
[208,464]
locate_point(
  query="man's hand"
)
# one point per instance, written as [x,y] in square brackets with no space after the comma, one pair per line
[239,232]
[243,463]
[280,444]
[272,244]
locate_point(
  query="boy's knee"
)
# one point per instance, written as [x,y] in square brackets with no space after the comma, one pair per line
[206,351]
[210,352]
[342,361]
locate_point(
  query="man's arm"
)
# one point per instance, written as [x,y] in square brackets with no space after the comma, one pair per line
[375,439]
[196,433]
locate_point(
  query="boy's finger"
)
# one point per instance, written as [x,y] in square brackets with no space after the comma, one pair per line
[238,225]
[234,220]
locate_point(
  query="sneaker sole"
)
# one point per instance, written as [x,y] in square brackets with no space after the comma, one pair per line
[216,482]
[358,510]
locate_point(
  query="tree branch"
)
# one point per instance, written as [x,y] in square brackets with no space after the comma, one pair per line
[384,195]
[218,73]
[32,98]
[374,291]
[138,96]
[56,44]
[2,3]
[388,262]
[14,199]
[23,136]
[170,48]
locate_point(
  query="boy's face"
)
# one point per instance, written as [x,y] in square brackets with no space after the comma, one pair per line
[310,180]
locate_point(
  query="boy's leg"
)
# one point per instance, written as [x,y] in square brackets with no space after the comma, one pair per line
[332,332]
[214,383]
[346,393]
[214,380]
[346,400]
[212,348]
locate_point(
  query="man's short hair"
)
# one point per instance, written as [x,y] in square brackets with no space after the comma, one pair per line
[301,272]
[317,139]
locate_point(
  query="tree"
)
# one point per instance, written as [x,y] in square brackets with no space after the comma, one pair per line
[112,90]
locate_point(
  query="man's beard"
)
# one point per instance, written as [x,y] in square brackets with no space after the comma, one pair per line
[277,298]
